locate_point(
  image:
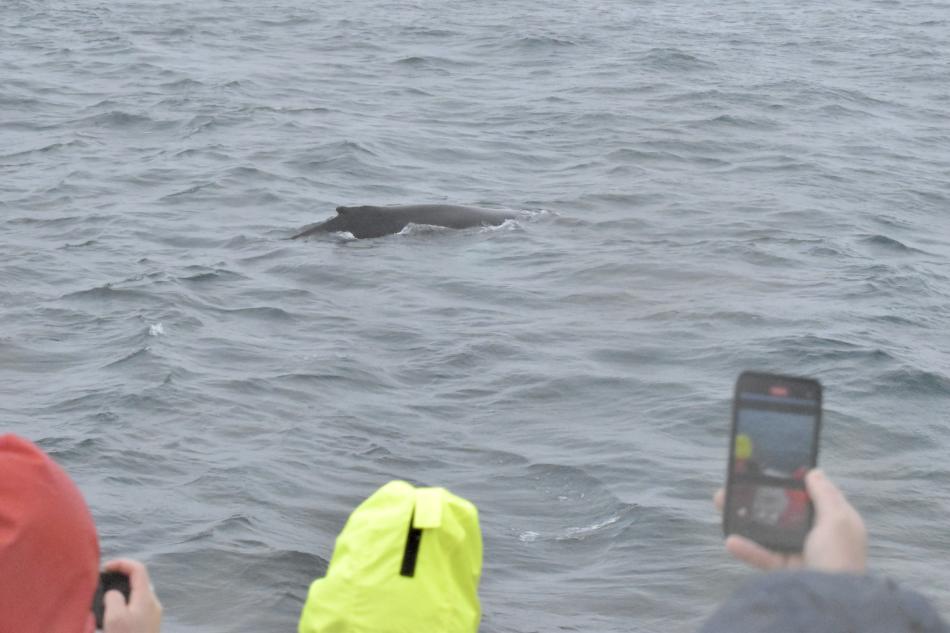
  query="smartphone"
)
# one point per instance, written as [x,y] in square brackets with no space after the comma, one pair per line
[108,580]
[774,442]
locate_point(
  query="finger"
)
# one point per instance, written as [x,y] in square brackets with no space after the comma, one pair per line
[825,496]
[140,585]
[720,499]
[754,554]
[114,608]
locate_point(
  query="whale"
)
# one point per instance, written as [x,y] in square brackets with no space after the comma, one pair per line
[372,221]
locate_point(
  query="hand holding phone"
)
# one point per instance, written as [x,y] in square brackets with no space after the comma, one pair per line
[109,580]
[137,611]
[837,542]
[773,444]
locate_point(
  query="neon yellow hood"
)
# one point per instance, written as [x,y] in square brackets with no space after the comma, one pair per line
[387,576]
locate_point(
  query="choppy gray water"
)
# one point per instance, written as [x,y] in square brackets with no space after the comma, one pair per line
[713,186]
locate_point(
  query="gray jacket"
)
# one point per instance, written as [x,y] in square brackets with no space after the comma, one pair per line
[814,602]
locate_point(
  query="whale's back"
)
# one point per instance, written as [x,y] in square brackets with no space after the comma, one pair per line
[374,221]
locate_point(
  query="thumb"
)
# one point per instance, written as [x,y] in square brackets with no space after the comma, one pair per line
[114,606]
[825,496]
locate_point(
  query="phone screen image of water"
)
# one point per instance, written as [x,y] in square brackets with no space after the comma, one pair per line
[777,443]
[781,512]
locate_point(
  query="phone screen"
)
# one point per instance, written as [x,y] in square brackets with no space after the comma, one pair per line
[775,426]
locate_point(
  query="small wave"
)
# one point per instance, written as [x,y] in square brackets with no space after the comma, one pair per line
[585,507]
[137,354]
[776,163]
[289,22]
[731,120]
[934,197]
[212,151]
[529,536]
[889,243]
[85,244]
[430,61]
[244,174]
[422,31]
[539,213]
[292,109]
[182,84]
[209,276]
[838,111]
[199,124]
[236,560]
[234,524]
[312,379]
[854,96]
[66,450]
[332,153]
[52,147]
[410,91]
[121,120]
[640,157]
[204,122]
[827,251]
[510,224]
[178,31]
[171,197]
[912,381]
[543,42]
[21,103]
[375,452]
[822,350]
[413,61]
[107,292]
[266,313]
[412,228]
[579,533]
[202,274]
[569,534]
[674,59]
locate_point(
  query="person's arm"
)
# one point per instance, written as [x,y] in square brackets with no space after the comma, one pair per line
[837,541]
[143,613]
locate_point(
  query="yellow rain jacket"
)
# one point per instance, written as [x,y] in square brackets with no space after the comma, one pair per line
[407,561]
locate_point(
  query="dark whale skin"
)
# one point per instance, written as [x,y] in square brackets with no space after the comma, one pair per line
[372,221]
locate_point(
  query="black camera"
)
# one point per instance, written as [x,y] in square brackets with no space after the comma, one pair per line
[109,580]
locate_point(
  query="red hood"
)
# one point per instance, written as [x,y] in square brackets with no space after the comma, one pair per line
[49,552]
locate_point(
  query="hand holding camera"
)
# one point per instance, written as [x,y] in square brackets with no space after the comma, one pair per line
[126,601]
[836,543]
[778,511]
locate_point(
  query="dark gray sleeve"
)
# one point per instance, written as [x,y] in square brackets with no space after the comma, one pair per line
[814,602]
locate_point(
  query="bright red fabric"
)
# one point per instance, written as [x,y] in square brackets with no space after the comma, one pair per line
[49,551]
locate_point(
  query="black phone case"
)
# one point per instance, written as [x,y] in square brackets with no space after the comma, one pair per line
[756,377]
[108,580]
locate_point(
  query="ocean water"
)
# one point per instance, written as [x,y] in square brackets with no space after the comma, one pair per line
[707,187]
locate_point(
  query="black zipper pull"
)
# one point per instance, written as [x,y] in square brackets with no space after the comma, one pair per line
[412,549]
